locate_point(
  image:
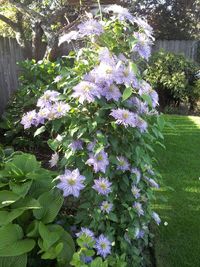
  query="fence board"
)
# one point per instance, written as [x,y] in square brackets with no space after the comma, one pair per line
[10,53]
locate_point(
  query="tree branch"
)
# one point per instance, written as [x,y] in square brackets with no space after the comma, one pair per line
[8,21]
[26,10]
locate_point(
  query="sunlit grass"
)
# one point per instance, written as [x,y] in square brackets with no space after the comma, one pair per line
[178,243]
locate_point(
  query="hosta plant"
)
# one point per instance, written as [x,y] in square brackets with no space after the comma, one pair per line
[29,204]
[104,121]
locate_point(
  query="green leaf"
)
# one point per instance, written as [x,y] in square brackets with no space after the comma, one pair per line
[49,238]
[39,131]
[12,242]
[17,261]
[127,93]
[20,189]
[7,217]
[51,202]
[7,198]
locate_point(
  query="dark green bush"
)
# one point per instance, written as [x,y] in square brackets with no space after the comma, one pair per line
[173,77]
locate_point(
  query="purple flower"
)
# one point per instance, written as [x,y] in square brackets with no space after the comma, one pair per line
[54,160]
[135,191]
[58,78]
[47,98]
[128,77]
[86,259]
[76,145]
[90,27]
[120,12]
[111,92]
[103,246]
[106,206]
[102,186]
[29,119]
[106,72]
[156,218]
[123,164]
[142,46]
[152,182]
[141,125]
[105,56]
[59,109]
[138,208]
[43,114]
[71,183]
[135,102]
[86,91]
[146,28]
[124,117]
[137,173]
[139,233]
[154,98]
[91,145]
[85,231]
[99,161]
[144,87]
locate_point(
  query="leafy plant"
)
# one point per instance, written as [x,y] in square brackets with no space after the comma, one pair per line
[103,122]
[173,77]
[29,205]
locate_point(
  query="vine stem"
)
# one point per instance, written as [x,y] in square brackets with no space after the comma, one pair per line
[100,11]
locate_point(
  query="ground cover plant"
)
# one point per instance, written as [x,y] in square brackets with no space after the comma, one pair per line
[101,121]
[177,239]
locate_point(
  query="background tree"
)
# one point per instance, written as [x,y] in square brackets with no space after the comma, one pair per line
[171,19]
[38,24]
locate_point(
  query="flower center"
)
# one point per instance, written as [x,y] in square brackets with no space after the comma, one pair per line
[87,88]
[71,181]
[125,115]
[103,186]
[103,245]
[99,157]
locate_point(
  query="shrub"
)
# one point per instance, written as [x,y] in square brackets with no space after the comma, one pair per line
[173,77]
[29,204]
[102,123]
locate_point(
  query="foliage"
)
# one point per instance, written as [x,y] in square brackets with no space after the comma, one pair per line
[28,209]
[173,76]
[103,121]
[35,79]
[171,19]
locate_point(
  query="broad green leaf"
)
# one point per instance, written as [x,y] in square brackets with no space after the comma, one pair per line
[7,217]
[7,198]
[12,242]
[17,261]
[49,238]
[20,189]
[51,202]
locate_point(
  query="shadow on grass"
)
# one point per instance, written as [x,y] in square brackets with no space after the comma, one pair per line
[178,243]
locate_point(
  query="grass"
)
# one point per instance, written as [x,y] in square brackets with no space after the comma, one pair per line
[178,243]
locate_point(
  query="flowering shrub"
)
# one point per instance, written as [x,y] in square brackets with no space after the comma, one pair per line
[101,130]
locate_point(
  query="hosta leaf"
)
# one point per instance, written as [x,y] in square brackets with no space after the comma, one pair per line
[18,248]
[7,198]
[20,189]
[7,217]
[51,202]
[49,238]
[18,261]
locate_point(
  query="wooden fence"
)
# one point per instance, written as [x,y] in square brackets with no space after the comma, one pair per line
[186,47]
[10,53]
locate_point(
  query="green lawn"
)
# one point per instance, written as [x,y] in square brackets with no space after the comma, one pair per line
[178,243]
